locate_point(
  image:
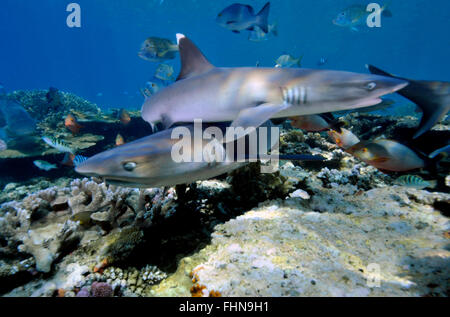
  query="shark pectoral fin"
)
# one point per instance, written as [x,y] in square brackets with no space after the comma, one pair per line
[256,116]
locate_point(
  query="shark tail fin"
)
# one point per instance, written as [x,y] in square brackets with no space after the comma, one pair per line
[432,97]
[263,18]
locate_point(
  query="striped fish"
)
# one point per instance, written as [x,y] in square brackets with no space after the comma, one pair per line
[414,181]
[61,146]
[78,160]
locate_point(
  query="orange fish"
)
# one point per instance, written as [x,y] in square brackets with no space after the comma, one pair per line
[124,116]
[343,138]
[311,123]
[72,124]
[387,155]
[68,159]
[119,140]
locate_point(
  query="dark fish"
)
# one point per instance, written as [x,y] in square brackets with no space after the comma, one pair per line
[433,97]
[52,94]
[239,17]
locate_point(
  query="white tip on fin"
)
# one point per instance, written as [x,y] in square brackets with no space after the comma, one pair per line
[193,62]
[179,37]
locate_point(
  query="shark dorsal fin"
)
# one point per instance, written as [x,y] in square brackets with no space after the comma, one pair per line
[193,62]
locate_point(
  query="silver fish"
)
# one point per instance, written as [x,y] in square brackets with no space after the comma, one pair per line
[61,146]
[287,60]
[44,165]
[248,97]
[258,35]
[239,17]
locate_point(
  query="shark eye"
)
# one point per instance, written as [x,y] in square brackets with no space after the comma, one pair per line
[371,86]
[129,166]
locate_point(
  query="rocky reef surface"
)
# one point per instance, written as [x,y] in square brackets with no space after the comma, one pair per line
[338,228]
[332,228]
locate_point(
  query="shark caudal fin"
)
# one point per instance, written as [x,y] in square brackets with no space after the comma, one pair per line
[193,62]
[433,98]
[263,18]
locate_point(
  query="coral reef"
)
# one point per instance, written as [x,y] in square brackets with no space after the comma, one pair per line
[328,228]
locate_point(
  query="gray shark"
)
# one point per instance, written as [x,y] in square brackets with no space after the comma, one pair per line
[433,97]
[248,97]
[149,162]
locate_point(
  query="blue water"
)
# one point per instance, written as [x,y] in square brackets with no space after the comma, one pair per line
[38,49]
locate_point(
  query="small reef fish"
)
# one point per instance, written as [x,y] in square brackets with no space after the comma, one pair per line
[432,97]
[84,217]
[45,166]
[258,35]
[355,16]
[68,159]
[322,61]
[156,49]
[59,145]
[153,87]
[72,124]
[124,116]
[119,140]
[52,95]
[239,17]
[414,181]
[164,72]
[73,160]
[387,155]
[343,138]
[79,159]
[288,61]
[3,145]
[314,123]
[215,94]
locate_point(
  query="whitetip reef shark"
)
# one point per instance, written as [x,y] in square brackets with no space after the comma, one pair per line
[149,163]
[249,96]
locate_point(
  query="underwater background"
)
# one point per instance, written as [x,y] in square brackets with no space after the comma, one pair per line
[40,51]
[337,226]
